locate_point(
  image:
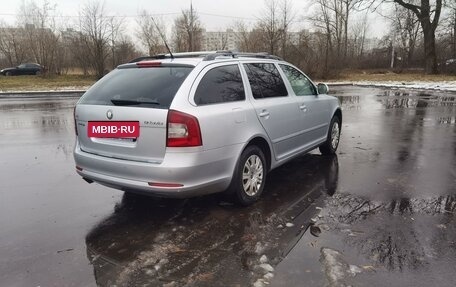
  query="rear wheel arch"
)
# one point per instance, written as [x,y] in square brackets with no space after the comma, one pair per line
[338,113]
[251,170]
[263,144]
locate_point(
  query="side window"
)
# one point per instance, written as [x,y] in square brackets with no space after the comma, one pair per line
[265,81]
[22,66]
[220,85]
[301,84]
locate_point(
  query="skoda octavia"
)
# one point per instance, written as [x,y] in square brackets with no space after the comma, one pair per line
[190,124]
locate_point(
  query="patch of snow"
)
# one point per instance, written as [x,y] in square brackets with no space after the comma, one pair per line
[259,283]
[289,224]
[150,272]
[355,269]
[267,267]
[423,85]
[160,263]
[268,276]
[336,268]
[259,248]
[263,259]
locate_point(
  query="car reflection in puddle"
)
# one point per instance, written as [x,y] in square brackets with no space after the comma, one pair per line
[206,241]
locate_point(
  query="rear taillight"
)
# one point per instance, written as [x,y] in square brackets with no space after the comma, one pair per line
[183,130]
[75,124]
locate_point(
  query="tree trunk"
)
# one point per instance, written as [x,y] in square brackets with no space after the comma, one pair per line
[454,34]
[424,12]
[347,11]
[430,54]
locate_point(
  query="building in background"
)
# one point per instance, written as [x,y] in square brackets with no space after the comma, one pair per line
[226,40]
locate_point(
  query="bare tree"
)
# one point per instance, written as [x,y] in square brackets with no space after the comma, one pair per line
[223,44]
[428,14]
[359,32]
[306,52]
[325,19]
[270,25]
[287,19]
[332,17]
[453,13]
[124,50]
[188,31]
[248,40]
[13,44]
[116,31]
[451,27]
[406,27]
[96,34]
[348,7]
[149,34]
[40,31]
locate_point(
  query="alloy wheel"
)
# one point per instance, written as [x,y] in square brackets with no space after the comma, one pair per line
[335,135]
[252,175]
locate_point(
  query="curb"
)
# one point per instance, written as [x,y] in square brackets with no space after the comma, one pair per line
[39,94]
[78,93]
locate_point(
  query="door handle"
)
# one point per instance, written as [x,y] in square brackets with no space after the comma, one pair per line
[264,114]
[303,108]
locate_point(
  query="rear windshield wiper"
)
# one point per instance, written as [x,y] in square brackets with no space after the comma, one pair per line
[133,102]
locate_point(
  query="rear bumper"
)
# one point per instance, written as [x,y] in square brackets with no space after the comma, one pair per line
[199,173]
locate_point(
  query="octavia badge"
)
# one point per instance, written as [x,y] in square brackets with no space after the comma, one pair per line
[109,114]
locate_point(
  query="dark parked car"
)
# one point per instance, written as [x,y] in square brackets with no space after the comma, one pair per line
[23,69]
[450,66]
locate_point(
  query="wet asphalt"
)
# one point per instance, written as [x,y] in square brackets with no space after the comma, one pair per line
[380,213]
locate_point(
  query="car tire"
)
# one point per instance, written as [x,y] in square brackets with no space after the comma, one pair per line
[333,138]
[249,176]
[37,73]
[8,73]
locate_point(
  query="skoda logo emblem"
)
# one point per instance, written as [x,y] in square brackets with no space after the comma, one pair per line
[109,114]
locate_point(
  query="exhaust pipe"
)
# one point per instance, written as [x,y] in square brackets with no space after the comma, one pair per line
[88,180]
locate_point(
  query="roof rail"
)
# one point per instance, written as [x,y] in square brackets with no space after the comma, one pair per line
[262,55]
[207,55]
[175,55]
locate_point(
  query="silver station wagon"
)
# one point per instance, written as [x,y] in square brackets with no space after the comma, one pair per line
[190,124]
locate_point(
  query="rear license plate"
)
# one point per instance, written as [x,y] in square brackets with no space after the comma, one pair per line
[113,129]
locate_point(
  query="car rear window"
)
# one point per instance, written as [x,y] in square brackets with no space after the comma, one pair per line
[220,85]
[153,87]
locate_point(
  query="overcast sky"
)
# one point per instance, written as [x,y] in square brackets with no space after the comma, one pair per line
[214,15]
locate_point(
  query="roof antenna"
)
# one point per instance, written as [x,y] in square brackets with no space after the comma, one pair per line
[163,38]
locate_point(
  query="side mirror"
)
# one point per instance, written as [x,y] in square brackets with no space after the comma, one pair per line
[322,88]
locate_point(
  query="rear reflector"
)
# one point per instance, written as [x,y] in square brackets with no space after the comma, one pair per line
[183,130]
[79,168]
[148,64]
[164,184]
